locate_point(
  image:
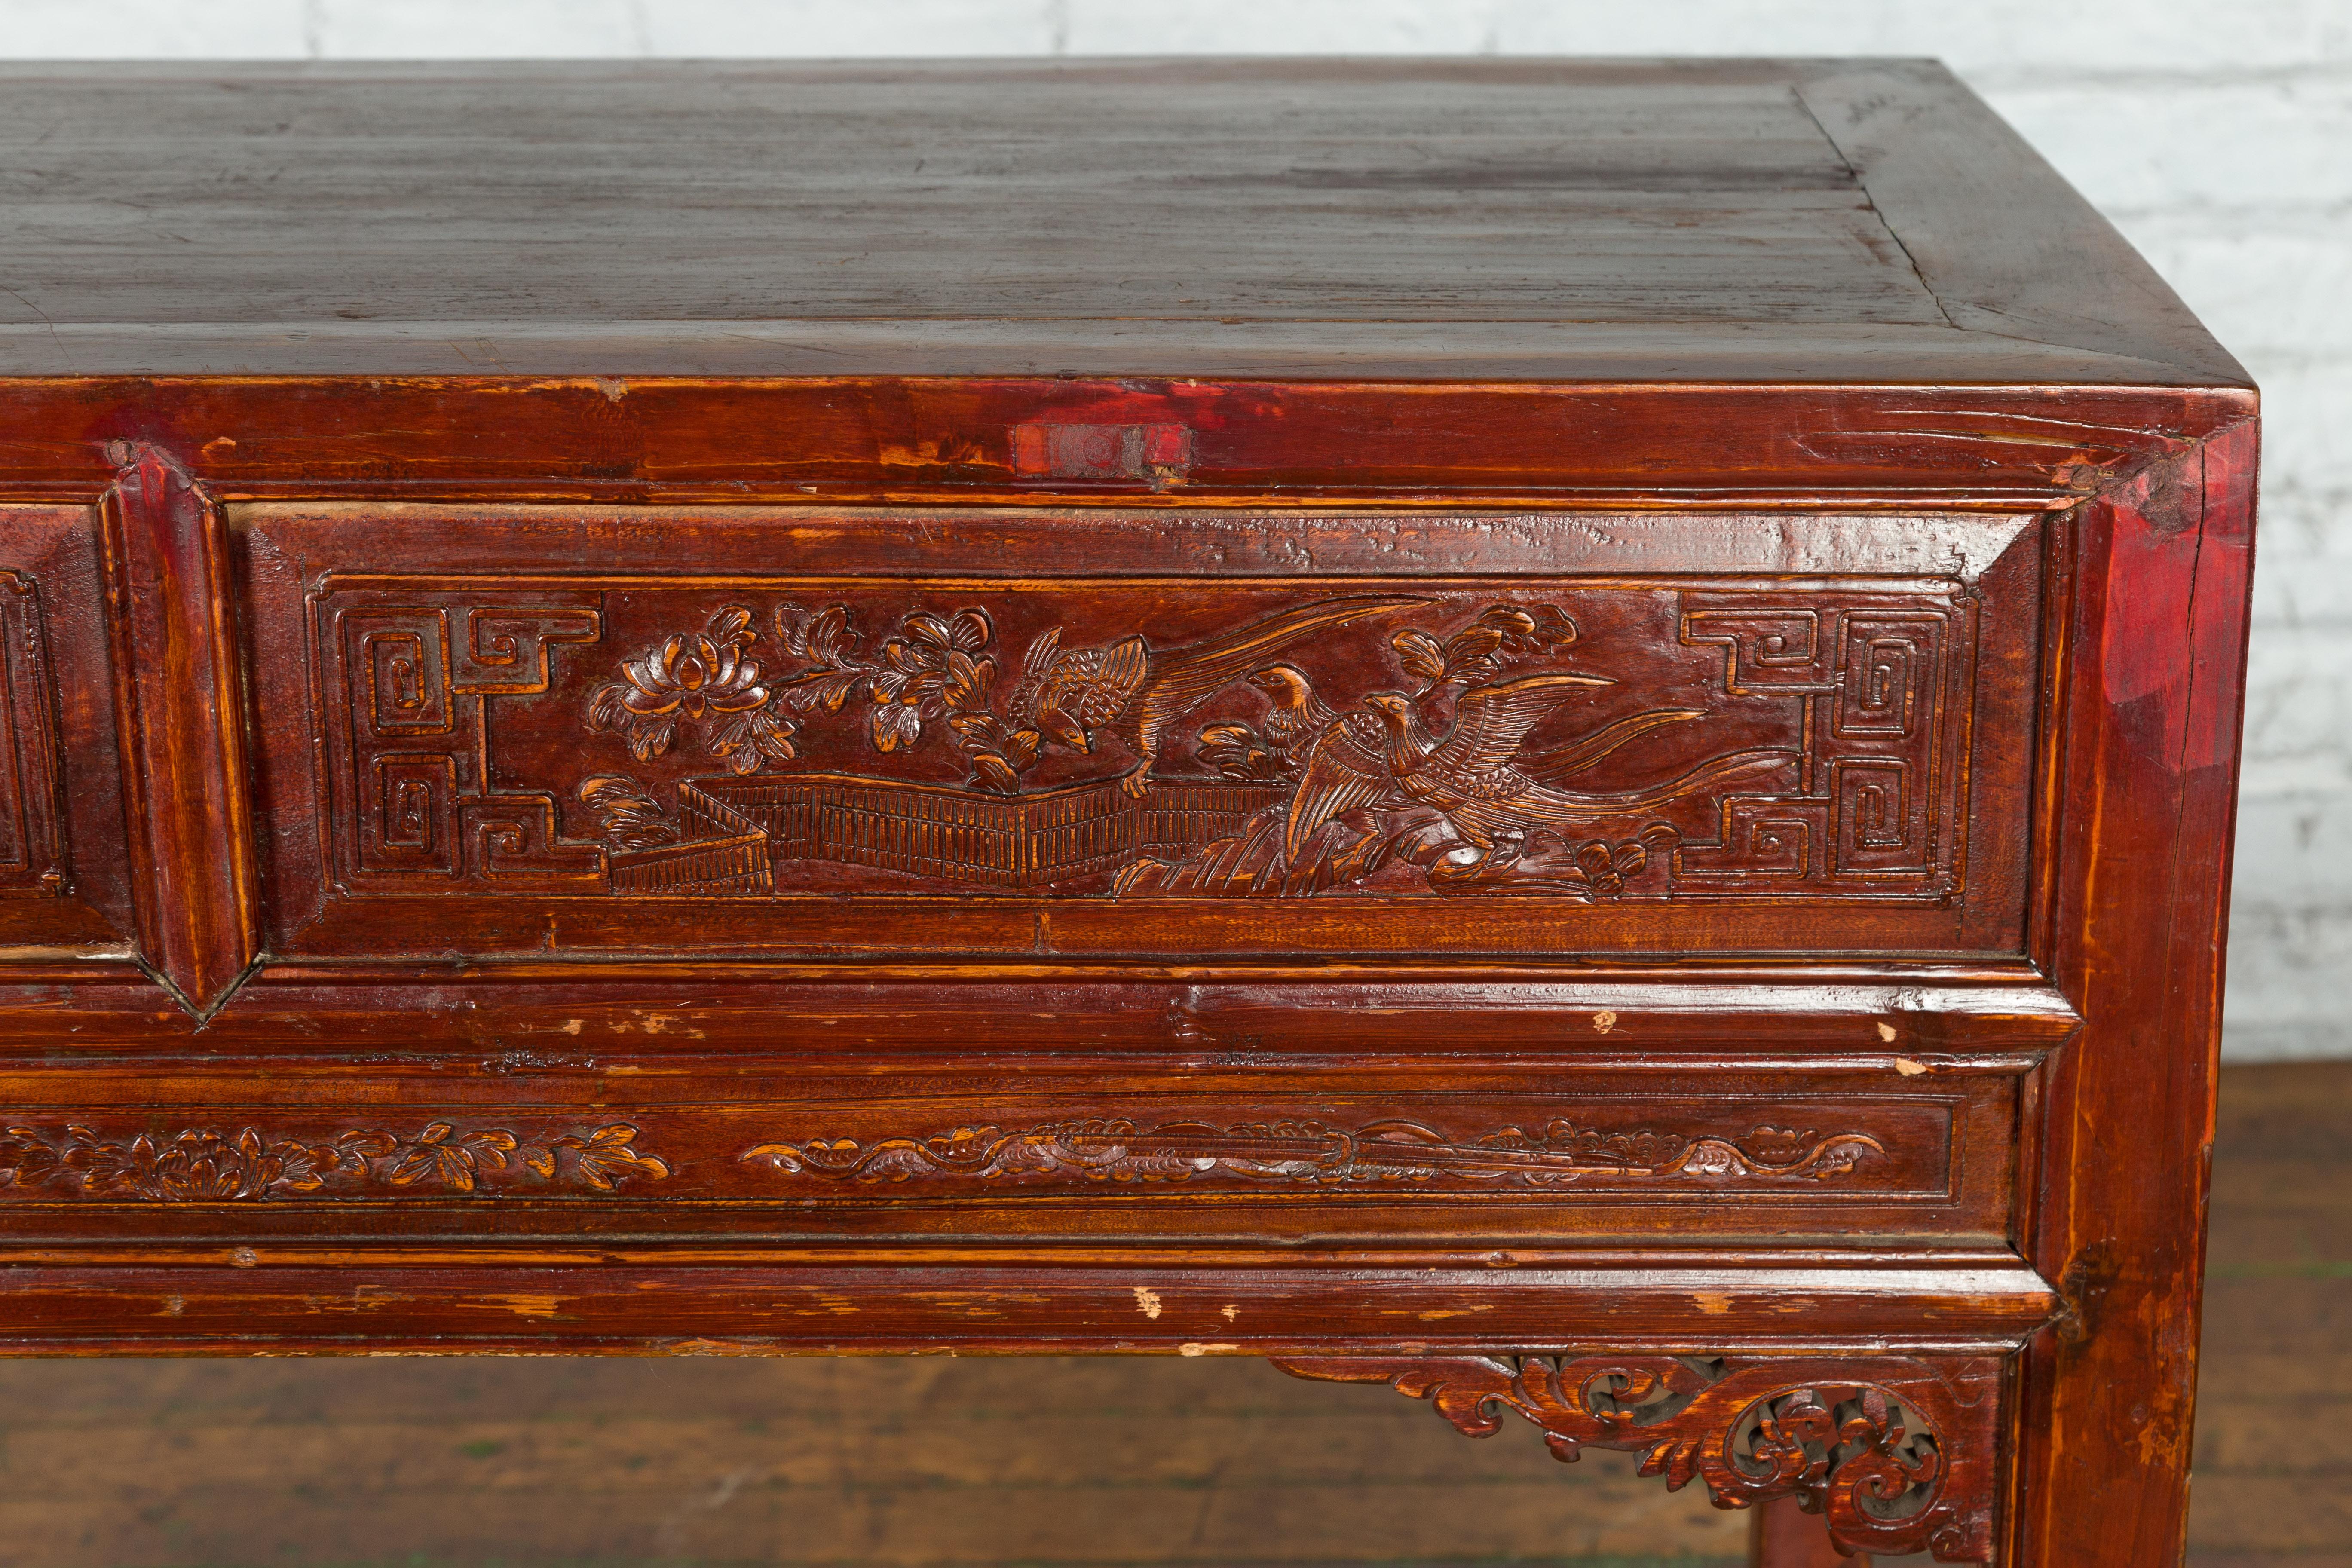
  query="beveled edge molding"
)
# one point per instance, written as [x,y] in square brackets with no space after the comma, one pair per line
[178,691]
[1895,1451]
[202,1165]
[1119,1150]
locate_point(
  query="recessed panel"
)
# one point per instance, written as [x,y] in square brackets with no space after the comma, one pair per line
[1059,734]
[1004,1151]
[64,888]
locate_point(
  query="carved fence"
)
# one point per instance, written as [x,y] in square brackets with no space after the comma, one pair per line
[740,826]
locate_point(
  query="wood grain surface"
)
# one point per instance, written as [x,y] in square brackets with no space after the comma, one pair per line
[1800,220]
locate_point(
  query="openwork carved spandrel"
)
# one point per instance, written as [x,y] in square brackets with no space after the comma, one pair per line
[32,849]
[1111,1150]
[1575,742]
[206,1165]
[1896,1453]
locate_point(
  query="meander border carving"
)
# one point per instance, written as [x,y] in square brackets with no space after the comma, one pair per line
[1896,1456]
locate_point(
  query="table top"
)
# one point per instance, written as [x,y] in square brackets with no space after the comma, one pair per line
[1462,220]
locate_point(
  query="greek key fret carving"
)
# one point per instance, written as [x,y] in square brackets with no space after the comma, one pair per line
[1875,806]
[411,746]
[1894,1452]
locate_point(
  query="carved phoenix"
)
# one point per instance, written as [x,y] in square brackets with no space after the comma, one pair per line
[1136,691]
[1475,773]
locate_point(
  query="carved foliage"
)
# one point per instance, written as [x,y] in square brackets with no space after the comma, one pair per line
[1117,1149]
[201,1165]
[1895,1452]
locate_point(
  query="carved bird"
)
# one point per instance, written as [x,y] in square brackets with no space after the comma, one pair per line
[1351,768]
[1347,764]
[1136,691]
[1473,776]
[1298,716]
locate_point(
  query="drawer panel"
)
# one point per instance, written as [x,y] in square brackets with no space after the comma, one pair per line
[64,881]
[1031,1150]
[1068,733]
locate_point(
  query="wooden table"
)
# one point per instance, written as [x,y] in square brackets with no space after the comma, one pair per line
[1560,734]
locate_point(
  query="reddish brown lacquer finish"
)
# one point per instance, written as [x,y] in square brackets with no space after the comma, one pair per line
[1553,733]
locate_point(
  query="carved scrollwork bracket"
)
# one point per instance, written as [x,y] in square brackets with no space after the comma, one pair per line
[1896,1453]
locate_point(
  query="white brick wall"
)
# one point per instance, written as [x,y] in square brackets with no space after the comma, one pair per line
[2217,133]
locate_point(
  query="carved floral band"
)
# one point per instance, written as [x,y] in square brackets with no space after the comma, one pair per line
[205,1166]
[200,1165]
[1123,1150]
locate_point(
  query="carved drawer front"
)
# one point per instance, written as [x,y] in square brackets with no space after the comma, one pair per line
[1027,733]
[987,1153]
[64,882]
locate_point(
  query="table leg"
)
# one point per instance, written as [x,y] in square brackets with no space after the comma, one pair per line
[1782,1536]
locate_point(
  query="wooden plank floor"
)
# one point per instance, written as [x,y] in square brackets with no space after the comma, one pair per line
[515,1462]
[502,1463]
[2274,1466]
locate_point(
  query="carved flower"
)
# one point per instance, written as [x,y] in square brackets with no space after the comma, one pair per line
[935,665]
[708,679]
[929,668]
[698,675]
[195,1167]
